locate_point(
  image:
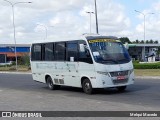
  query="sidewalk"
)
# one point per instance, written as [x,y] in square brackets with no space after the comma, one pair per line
[17,72]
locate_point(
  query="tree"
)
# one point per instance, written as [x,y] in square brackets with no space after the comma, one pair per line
[147,42]
[137,41]
[151,41]
[125,39]
[142,42]
[24,60]
[156,42]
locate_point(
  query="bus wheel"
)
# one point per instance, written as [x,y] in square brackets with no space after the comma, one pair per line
[57,87]
[121,88]
[87,86]
[50,83]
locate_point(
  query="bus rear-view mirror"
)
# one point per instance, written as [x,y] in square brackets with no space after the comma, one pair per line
[126,45]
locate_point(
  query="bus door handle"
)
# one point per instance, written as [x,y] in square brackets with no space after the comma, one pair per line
[73,76]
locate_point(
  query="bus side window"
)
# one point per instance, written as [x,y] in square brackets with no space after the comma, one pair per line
[72,51]
[84,56]
[48,52]
[60,51]
[37,52]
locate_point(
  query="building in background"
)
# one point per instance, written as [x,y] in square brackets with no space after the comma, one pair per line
[7,52]
[136,51]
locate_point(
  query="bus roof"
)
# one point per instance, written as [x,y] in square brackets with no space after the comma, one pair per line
[83,37]
[101,37]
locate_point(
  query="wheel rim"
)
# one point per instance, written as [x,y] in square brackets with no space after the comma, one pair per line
[87,87]
[50,84]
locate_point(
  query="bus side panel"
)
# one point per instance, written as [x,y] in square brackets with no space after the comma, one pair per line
[71,76]
[37,73]
[87,70]
[60,73]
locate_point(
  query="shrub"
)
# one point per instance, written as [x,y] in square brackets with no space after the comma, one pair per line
[13,63]
[146,65]
[12,68]
[5,65]
[136,61]
[24,60]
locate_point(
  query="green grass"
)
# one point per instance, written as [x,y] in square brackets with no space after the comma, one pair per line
[146,69]
[21,68]
[147,72]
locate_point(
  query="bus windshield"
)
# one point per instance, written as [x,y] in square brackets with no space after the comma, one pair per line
[108,51]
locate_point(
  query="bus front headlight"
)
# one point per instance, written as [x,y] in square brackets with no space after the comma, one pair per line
[103,73]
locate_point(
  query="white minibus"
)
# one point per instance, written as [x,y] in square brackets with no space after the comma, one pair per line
[94,61]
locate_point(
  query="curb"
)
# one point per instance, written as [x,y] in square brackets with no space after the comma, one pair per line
[147,77]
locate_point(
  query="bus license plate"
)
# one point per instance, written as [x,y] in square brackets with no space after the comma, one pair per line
[120,78]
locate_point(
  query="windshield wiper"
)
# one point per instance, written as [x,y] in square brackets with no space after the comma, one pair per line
[124,60]
[110,60]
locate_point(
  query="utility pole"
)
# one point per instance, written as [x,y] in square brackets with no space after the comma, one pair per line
[144,15]
[90,13]
[96,17]
[14,28]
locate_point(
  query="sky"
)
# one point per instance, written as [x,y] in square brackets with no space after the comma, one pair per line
[67,19]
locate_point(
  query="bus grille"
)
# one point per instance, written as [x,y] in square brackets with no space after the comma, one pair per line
[61,81]
[56,81]
[119,73]
[120,81]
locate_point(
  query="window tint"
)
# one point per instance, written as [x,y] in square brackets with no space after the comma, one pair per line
[60,51]
[37,52]
[48,50]
[72,50]
[85,56]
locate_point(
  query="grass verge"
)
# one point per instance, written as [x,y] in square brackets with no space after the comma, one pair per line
[147,72]
[138,72]
[21,68]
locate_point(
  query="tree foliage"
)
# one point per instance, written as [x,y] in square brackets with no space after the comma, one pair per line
[147,41]
[125,39]
[24,60]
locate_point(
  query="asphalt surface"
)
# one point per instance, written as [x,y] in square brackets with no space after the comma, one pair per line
[18,92]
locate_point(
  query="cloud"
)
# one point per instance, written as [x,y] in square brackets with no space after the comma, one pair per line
[156,6]
[112,19]
[68,17]
[152,24]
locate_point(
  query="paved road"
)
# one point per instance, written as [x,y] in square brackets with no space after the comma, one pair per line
[20,92]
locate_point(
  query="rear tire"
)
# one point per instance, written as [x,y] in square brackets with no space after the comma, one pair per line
[50,84]
[121,88]
[87,86]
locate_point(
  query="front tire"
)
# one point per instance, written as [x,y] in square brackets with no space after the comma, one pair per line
[87,86]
